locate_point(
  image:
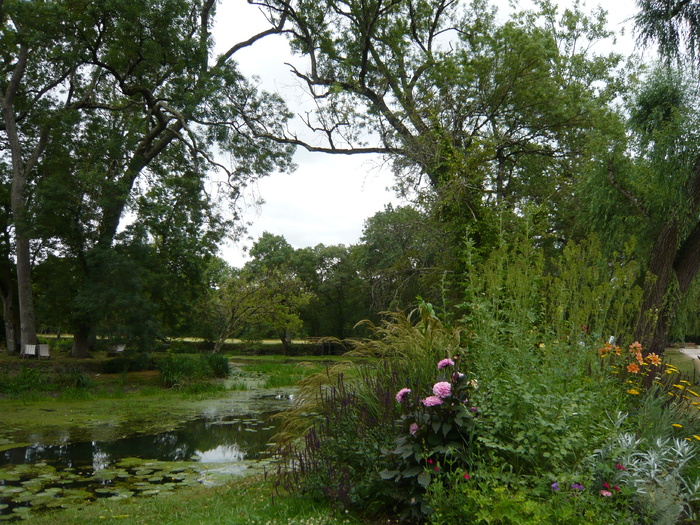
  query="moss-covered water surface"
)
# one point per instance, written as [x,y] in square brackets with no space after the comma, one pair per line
[60,454]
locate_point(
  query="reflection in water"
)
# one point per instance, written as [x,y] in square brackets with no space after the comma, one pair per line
[205,440]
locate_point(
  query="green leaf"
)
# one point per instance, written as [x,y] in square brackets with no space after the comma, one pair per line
[424,479]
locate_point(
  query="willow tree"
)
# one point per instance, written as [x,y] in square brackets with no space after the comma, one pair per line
[647,186]
[135,88]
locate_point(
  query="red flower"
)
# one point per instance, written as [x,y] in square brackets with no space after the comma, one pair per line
[466,476]
[619,466]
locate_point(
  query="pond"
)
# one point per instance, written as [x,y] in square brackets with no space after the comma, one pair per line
[204,450]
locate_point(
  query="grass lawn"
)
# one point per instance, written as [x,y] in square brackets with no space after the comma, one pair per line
[250,501]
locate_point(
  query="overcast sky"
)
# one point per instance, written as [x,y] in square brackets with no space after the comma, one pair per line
[327,199]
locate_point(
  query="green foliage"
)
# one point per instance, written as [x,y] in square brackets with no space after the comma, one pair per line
[179,370]
[133,363]
[482,499]
[217,365]
[340,456]
[437,435]
[25,380]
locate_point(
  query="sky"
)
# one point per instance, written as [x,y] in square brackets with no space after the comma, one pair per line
[328,197]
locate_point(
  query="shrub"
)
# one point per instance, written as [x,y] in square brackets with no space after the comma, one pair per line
[437,434]
[217,365]
[175,371]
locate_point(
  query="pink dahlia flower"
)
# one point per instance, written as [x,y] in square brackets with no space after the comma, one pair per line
[442,389]
[413,428]
[445,363]
[401,394]
[432,401]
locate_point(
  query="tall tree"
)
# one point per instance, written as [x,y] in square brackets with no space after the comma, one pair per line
[143,95]
[494,116]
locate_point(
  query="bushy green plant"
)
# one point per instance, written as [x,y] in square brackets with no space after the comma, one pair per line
[483,499]
[79,378]
[217,365]
[655,472]
[132,363]
[437,434]
[24,379]
[175,371]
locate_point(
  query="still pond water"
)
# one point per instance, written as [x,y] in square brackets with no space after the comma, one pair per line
[206,450]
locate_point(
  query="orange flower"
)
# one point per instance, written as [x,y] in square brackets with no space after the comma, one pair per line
[639,358]
[605,349]
[654,359]
[635,347]
[633,367]
[618,350]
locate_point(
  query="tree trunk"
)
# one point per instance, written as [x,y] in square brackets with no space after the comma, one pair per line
[659,303]
[81,343]
[9,314]
[286,338]
[20,170]
[674,263]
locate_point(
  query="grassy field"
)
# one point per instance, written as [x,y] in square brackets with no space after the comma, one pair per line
[250,501]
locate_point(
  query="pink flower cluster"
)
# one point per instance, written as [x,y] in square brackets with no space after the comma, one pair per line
[432,401]
[402,394]
[445,363]
[442,389]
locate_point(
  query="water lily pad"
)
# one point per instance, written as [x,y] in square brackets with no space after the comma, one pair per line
[105,490]
[9,476]
[22,511]
[130,462]
[105,474]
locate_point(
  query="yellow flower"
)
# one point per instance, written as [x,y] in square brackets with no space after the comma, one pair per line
[679,387]
[633,391]
[685,382]
[676,425]
[696,437]
[691,392]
